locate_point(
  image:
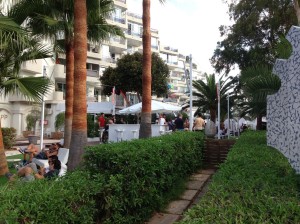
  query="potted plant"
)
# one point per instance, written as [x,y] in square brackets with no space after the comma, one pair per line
[59,125]
[31,120]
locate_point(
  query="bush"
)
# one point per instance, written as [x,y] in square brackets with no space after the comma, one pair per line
[92,126]
[69,200]
[9,137]
[140,174]
[255,185]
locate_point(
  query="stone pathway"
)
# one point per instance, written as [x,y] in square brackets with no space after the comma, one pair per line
[195,189]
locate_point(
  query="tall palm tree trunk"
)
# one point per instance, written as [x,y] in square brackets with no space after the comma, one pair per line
[69,92]
[3,162]
[259,122]
[297,10]
[145,128]
[79,124]
[213,115]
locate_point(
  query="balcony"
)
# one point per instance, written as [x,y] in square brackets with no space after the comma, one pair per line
[134,38]
[92,76]
[92,73]
[117,21]
[58,96]
[136,18]
[33,67]
[169,50]
[59,71]
[108,61]
[154,33]
[154,48]
[17,98]
[117,45]
[121,3]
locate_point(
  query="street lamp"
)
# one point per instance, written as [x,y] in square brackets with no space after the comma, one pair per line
[43,114]
[191,94]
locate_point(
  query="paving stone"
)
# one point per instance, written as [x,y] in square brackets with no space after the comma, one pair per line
[208,171]
[200,176]
[177,207]
[194,184]
[188,195]
[162,218]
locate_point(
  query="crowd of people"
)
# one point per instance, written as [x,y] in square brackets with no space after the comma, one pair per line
[28,171]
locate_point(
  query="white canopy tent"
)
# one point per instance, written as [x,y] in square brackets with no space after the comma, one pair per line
[156,107]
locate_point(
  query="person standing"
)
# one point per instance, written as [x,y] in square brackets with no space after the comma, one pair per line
[199,123]
[162,122]
[179,123]
[101,121]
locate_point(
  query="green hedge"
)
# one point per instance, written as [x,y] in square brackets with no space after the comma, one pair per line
[255,185]
[141,173]
[120,183]
[70,200]
[9,137]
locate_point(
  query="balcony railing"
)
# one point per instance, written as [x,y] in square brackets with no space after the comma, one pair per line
[108,59]
[171,49]
[118,19]
[123,1]
[181,56]
[154,31]
[137,16]
[117,40]
[92,73]
[136,34]
[154,47]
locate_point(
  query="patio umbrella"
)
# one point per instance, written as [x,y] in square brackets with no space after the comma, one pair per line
[156,107]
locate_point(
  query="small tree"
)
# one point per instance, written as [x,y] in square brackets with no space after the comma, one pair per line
[32,118]
[127,76]
[59,121]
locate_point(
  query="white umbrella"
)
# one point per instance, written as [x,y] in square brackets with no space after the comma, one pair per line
[156,107]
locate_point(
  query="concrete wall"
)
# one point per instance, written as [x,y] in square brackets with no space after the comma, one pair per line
[283,108]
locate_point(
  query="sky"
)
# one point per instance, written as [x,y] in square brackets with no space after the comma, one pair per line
[191,26]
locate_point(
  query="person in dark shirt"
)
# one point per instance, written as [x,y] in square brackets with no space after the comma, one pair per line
[30,172]
[179,123]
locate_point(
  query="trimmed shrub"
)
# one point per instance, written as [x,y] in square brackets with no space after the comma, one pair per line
[256,184]
[68,200]
[9,137]
[141,173]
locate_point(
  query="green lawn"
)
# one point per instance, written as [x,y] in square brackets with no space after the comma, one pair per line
[3,179]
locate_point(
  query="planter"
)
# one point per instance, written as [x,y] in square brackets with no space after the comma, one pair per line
[57,135]
[26,133]
[210,129]
[33,139]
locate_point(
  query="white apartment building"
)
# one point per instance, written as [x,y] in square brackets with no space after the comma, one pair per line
[14,109]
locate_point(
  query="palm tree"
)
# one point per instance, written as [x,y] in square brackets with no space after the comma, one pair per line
[256,83]
[79,131]
[55,19]
[145,128]
[206,94]
[17,47]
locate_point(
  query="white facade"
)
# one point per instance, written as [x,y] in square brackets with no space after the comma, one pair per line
[14,109]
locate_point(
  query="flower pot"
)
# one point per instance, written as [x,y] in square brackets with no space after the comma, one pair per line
[57,135]
[26,133]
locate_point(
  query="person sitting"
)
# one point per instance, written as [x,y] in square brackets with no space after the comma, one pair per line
[53,150]
[30,172]
[31,151]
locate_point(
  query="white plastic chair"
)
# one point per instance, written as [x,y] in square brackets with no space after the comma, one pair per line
[63,155]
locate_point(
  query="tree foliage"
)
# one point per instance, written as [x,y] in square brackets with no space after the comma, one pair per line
[206,94]
[251,39]
[127,76]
